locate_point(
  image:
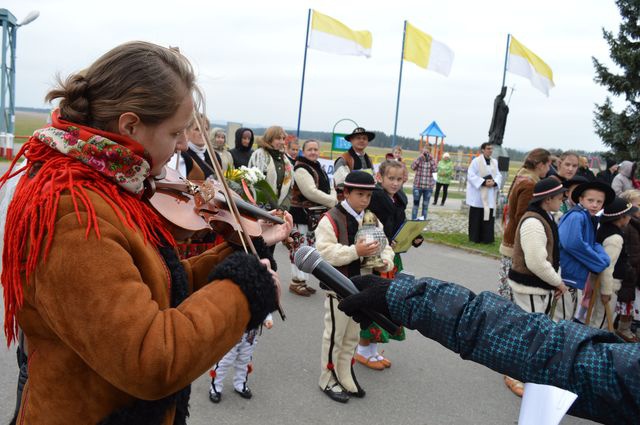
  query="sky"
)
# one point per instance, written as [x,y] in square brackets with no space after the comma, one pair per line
[249,54]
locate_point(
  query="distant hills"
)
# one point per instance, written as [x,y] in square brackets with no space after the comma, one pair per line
[34,110]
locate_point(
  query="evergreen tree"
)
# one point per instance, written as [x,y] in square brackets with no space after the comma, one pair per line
[621,130]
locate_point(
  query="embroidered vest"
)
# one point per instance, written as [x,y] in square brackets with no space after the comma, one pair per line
[345,227]
[353,161]
[297,198]
[519,272]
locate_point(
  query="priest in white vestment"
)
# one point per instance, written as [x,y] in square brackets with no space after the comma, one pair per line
[483,185]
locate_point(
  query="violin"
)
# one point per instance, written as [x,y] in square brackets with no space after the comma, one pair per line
[198,206]
[208,204]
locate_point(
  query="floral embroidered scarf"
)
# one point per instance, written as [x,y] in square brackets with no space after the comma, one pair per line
[66,157]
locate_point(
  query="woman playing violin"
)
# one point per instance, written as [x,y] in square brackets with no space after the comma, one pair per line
[114,322]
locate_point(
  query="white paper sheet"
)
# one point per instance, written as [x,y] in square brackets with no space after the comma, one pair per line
[544,404]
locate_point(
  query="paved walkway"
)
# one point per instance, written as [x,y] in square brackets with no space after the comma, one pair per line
[426,384]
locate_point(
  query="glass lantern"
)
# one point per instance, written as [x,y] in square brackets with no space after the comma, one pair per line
[370,232]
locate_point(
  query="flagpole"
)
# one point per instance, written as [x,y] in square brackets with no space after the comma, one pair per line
[304,67]
[395,125]
[506,56]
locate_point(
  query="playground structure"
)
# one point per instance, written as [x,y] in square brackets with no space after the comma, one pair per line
[433,130]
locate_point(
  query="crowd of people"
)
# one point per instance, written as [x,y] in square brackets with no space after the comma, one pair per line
[568,243]
[111,301]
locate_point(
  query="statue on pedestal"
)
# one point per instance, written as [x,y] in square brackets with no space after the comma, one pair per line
[499,118]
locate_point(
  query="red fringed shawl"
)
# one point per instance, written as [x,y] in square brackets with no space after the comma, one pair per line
[31,216]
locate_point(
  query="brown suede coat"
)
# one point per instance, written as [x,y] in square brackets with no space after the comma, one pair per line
[100,331]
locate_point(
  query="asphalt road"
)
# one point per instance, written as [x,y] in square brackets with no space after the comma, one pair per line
[426,384]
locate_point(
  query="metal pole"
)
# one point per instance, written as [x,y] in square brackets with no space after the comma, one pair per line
[506,57]
[304,67]
[12,80]
[4,125]
[395,125]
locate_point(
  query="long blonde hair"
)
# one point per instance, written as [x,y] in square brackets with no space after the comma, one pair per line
[630,195]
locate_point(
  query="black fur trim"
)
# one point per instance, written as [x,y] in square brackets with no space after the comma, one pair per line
[141,412]
[255,281]
[265,251]
[179,279]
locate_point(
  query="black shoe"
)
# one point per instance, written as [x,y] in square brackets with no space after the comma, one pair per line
[358,394]
[574,320]
[339,396]
[246,393]
[215,397]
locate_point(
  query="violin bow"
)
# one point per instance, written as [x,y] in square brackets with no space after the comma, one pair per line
[244,236]
[177,167]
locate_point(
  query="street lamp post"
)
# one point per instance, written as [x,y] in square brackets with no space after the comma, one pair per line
[8,78]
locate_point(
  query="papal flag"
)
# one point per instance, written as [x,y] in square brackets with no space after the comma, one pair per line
[524,62]
[331,35]
[421,49]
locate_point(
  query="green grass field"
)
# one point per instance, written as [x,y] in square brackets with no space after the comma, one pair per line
[461,240]
[28,122]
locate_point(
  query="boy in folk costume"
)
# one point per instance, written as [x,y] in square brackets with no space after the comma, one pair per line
[534,276]
[389,207]
[580,253]
[239,357]
[483,184]
[610,234]
[335,240]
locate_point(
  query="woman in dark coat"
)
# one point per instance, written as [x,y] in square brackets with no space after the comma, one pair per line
[242,150]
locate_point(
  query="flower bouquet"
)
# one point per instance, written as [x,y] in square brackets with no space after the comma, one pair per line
[251,184]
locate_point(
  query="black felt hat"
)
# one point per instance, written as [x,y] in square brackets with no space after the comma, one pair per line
[546,188]
[616,209]
[359,130]
[575,180]
[609,194]
[359,180]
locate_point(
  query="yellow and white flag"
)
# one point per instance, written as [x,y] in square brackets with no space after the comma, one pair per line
[421,49]
[524,62]
[331,35]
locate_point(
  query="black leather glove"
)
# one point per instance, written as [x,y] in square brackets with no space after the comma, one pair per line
[372,297]
[254,280]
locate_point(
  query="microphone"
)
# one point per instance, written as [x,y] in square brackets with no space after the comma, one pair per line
[308,260]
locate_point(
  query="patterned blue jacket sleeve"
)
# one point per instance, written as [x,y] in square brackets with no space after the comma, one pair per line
[490,330]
